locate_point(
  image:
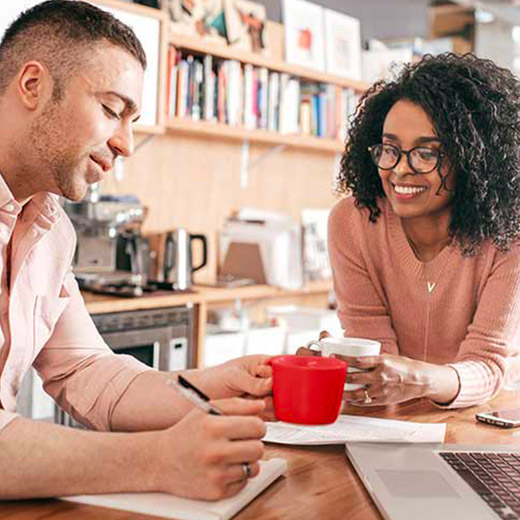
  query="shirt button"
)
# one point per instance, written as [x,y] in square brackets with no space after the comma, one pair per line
[9,207]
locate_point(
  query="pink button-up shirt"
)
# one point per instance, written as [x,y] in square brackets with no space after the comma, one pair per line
[43,319]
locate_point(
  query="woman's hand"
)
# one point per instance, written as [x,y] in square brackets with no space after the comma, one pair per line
[390,379]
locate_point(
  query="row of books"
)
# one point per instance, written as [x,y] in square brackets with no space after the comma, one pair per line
[241,95]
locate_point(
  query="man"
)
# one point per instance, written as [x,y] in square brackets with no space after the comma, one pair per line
[70,88]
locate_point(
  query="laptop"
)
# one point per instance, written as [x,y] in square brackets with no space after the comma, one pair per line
[440,481]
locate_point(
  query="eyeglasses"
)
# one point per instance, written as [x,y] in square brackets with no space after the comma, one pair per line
[420,158]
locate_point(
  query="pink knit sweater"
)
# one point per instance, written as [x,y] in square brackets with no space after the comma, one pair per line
[461,311]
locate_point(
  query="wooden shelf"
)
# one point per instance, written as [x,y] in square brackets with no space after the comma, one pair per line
[223,131]
[225,52]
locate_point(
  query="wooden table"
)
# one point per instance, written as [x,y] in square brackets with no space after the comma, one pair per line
[321,483]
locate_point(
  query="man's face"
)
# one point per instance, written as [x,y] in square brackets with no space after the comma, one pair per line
[77,138]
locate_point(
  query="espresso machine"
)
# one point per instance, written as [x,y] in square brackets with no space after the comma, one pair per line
[111,255]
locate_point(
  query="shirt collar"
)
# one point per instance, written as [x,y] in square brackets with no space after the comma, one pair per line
[8,203]
[44,205]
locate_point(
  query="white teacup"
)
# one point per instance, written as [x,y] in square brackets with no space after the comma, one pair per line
[354,347]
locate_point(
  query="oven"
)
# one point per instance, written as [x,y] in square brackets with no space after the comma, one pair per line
[160,338]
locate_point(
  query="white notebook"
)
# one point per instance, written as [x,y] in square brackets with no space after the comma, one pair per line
[168,506]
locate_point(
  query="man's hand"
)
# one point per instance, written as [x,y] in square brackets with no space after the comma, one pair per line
[240,377]
[394,379]
[202,456]
[247,377]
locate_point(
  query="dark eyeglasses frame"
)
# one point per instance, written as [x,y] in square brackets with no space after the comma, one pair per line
[371,149]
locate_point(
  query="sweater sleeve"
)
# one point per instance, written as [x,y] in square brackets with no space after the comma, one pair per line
[361,305]
[490,349]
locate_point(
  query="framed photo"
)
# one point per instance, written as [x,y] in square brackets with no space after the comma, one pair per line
[245,25]
[203,18]
[304,34]
[342,45]
[315,252]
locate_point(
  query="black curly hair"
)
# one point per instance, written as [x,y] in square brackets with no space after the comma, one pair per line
[474,106]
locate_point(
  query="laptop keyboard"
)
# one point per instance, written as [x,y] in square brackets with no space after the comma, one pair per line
[495,477]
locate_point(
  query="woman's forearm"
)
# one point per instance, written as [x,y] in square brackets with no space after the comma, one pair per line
[443,383]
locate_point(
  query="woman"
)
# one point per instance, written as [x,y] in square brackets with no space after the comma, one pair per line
[425,253]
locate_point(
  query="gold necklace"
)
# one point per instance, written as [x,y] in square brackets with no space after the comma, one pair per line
[430,285]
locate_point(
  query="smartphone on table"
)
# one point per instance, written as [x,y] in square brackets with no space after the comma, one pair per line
[504,418]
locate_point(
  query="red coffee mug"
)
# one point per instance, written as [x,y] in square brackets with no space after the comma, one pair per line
[307,389]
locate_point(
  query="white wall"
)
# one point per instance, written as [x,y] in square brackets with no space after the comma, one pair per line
[495,42]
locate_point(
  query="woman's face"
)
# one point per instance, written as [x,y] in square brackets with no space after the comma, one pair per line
[412,194]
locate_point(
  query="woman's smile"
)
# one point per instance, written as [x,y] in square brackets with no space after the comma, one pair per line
[405,192]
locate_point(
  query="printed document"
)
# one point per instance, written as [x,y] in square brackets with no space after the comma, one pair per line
[352,428]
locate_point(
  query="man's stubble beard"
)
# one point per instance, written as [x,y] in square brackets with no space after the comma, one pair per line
[58,164]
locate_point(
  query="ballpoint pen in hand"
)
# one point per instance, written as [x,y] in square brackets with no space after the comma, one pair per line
[193,394]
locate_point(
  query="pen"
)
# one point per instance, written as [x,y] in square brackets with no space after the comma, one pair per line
[193,394]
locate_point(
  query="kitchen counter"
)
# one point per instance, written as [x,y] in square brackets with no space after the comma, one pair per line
[99,303]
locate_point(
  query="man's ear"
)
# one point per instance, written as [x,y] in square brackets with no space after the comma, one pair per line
[34,84]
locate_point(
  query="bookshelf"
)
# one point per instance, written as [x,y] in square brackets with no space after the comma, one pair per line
[222,51]
[186,125]
[200,128]
[223,131]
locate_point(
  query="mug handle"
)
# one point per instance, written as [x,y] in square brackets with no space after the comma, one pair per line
[313,343]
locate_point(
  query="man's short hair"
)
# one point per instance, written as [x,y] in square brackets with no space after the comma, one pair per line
[60,34]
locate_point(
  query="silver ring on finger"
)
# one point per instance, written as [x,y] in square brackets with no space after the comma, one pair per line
[246,469]
[368,399]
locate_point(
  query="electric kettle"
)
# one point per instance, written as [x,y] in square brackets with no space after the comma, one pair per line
[178,266]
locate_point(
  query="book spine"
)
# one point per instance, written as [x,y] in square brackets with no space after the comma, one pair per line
[274,100]
[198,76]
[283,110]
[171,87]
[263,98]
[190,88]
[207,112]
[248,97]
[183,85]
[221,93]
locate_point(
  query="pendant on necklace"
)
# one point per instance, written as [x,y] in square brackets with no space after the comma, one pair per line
[431,286]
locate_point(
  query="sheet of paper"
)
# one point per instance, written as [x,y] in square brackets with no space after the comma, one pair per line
[351,428]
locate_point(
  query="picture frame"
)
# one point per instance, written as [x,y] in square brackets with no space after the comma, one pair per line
[342,45]
[315,252]
[202,18]
[304,39]
[246,25]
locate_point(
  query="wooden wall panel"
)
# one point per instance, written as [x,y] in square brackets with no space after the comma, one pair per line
[195,183]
